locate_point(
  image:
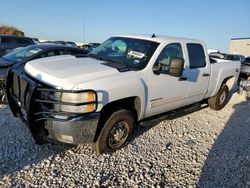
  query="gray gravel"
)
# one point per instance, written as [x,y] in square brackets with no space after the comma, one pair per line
[204,149]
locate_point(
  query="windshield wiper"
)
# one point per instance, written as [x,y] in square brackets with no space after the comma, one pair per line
[116,61]
[122,67]
[109,60]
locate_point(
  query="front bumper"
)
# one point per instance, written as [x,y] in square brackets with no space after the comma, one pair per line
[76,131]
[38,105]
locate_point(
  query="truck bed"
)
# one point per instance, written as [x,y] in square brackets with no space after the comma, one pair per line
[221,68]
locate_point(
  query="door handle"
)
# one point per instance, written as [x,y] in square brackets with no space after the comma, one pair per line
[206,74]
[182,78]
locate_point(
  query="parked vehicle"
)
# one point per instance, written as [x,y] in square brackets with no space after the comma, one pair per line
[89,47]
[55,42]
[244,80]
[28,53]
[232,57]
[9,42]
[36,40]
[247,61]
[245,66]
[127,79]
[69,43]
[66,43]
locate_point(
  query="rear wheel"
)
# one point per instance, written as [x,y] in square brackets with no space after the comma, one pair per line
[118,128]
[220,100]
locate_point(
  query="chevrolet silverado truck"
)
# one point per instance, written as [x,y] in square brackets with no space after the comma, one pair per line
[102,97]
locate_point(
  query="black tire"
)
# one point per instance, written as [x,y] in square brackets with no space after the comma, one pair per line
[119,126]
[220,100]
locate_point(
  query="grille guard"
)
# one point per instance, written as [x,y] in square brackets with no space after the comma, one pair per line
[24,93]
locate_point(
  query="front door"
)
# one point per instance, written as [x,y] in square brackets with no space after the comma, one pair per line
[165,92]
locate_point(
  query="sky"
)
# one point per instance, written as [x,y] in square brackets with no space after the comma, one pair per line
[213,21]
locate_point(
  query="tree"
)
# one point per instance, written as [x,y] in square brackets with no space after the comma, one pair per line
[10,30]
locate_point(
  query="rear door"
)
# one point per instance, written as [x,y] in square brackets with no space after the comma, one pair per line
[198,73]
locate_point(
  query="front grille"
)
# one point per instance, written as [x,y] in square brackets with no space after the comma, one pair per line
[21,90]
[15,86]
[50,101]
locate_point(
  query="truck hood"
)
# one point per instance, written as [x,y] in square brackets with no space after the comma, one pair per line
[66,72]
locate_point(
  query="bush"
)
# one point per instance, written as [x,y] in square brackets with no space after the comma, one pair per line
[10,30]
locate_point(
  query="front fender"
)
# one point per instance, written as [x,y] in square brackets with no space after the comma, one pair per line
[123,86]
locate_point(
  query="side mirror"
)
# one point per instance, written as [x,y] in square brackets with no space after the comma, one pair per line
[176,67]
[157,68]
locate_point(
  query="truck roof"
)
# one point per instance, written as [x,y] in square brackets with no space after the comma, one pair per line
[160,38]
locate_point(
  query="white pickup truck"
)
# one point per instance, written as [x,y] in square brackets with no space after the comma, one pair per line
[100,98]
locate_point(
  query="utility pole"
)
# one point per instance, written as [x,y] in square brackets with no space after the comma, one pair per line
[83,30]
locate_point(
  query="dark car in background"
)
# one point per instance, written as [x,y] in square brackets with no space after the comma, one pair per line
[245,70]
[10,42]
[89,47]
[67,43]
[247,61]
[29,53]
[231,57]
[244,77]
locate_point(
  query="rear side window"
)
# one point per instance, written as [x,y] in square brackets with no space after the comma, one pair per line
[196,56]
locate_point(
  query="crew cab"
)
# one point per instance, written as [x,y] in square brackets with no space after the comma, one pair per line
[102,97]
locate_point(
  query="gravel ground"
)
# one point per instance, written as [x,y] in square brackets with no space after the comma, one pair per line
[202,149]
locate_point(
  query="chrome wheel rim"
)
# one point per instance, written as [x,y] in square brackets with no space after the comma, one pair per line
[222,97]
[118,134]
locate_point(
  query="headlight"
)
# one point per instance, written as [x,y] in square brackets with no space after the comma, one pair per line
[81,102]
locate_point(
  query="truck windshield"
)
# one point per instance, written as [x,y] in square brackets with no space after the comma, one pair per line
[133,53]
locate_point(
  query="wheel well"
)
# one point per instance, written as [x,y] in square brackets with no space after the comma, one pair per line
[229,82]
[132,104]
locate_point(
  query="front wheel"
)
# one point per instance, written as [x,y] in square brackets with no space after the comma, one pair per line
[220,100]
[117,130]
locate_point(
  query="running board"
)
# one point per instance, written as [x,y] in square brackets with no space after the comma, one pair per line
[151,121]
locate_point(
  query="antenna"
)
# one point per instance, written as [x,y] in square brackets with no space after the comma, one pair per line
[153,36]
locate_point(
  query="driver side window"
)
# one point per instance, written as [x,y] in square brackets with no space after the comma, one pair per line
[170,51]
